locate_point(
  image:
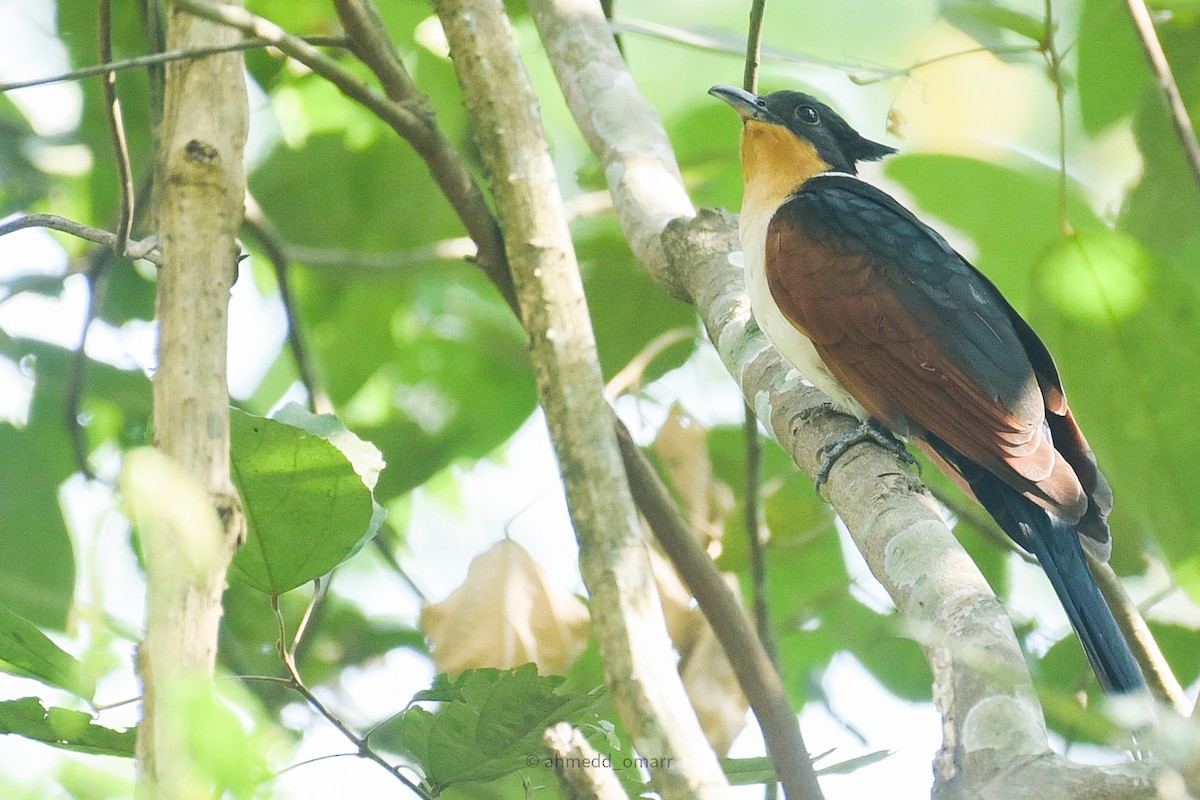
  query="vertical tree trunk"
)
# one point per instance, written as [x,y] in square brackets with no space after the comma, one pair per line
[201,190]
[625,609]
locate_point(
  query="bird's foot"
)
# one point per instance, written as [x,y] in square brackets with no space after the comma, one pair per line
[869,431]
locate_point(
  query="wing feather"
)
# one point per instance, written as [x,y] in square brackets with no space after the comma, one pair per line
[924,341]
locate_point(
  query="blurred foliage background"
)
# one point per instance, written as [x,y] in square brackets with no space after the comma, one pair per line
[417,354]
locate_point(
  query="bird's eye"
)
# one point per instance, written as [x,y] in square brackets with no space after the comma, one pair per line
[808,115]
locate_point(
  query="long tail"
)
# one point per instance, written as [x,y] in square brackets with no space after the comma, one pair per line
[1057,547]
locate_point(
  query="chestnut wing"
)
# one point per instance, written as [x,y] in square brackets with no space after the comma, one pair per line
[918,336]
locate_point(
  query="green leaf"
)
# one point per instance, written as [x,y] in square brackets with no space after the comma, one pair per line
[1060,674]
[64,728]
[490,724]
[307,509]
[227,742]
[38,567]
[987,22]
[1179,644]
[427,363]
[444,689]
[1113,74]
[25,650]
[746,771]
[628,309]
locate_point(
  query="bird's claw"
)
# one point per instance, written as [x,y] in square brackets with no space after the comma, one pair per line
[868,431]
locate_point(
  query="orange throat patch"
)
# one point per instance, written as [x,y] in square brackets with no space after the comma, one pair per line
[774,164]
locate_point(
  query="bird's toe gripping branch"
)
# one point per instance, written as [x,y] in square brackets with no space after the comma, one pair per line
[869,431]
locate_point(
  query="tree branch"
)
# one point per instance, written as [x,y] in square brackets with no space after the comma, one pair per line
[634,645]
[620,127]
[157,59]
[1166,82]
[146,249]
[754,46]
[116,127]
[260,227]
[201,193]
[1159,677]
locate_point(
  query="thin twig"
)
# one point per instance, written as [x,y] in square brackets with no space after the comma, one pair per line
[370,41]
[758,563]
[1054,66]
[361,745]
[100,707]
[99,266]
[97,275]
[266,679]
[880,75]
[385,552]
[319,590]
[116,127]
[1166,82]
[155,59]
[261,229]
[407,119]
[146,249]
[758,558]
[1159,677]
[754,46]
[461,248]
[631,374]
[313,760]
[458,249]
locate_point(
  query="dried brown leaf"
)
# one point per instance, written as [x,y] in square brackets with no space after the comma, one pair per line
[506,614]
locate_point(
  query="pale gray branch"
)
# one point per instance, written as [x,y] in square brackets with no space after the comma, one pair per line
[145,249]
[634,645]
[580,767]
[1144,24]
[202,183]
[622,129]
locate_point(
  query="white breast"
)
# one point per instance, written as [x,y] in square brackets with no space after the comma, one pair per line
[791,343]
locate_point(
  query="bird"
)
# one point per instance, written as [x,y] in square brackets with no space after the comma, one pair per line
[877,310]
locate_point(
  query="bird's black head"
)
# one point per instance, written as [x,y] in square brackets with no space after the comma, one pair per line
[808,119]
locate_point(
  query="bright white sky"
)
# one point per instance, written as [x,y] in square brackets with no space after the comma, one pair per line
[520,495]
